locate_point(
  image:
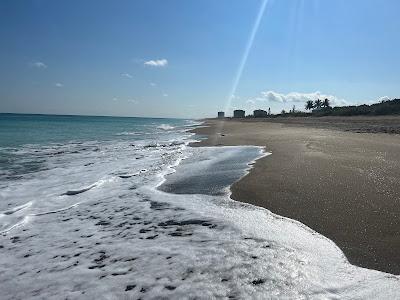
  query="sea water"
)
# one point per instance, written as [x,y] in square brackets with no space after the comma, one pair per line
[104,207]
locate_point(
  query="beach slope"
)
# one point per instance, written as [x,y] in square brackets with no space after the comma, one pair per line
[343,184]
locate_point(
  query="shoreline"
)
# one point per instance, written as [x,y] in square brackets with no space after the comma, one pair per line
[339,183]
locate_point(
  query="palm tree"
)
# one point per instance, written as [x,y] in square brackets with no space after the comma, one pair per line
[326,103]
[318,104]
[309,105]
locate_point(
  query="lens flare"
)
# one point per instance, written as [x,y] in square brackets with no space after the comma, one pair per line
[246,54]
[219,127]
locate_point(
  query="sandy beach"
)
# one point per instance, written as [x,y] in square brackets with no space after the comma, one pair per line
[339,176]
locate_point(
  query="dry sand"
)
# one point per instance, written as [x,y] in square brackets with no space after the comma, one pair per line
[343,184]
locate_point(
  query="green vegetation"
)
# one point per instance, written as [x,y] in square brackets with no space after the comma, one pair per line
[309,105]
[321,108]
[318,104]
[388,107]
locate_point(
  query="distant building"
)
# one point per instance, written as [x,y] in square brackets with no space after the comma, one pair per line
[259,113]
[238,113]
[221,114]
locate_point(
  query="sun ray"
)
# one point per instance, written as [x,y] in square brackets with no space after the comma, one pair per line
[242,64]
[246,53]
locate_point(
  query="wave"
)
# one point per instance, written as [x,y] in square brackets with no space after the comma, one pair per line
[124,176]
[16,209]
[16,225]
[54,211]
[165,127]
[130,133]
[194,124]
[76,192]
[128,238]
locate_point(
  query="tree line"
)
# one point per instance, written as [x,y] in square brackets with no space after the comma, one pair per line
[318,104]
[323,108]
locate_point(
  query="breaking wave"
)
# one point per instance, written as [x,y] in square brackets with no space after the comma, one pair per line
[165,127]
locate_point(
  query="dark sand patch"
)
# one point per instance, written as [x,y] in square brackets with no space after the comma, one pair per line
[343,184]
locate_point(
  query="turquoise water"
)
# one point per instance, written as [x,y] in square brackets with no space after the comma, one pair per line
[116,208]
[26,141]
[20,129]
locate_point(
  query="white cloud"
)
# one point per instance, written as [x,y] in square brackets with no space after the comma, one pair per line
[271,96]
[157,63]
[39,65]
[115,99]
[127,75]
[152,84]
[165,95]
[59,84]
[384,98]
[133,101]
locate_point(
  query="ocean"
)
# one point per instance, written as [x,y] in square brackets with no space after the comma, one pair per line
[110,208]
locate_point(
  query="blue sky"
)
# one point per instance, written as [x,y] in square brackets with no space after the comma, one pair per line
[171,58]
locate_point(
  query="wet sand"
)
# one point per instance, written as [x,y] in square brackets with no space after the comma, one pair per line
[342,183]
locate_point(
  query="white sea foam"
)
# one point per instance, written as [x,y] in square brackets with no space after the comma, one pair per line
[15,209]
[193,123]
[126,238]
[129,133]
[165,127]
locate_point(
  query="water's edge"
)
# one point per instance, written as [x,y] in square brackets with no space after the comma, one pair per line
[252,165]
[98,224]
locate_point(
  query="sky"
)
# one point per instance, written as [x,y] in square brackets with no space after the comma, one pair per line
[190,59]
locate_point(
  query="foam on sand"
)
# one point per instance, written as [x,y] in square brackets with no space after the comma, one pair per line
[128,238]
